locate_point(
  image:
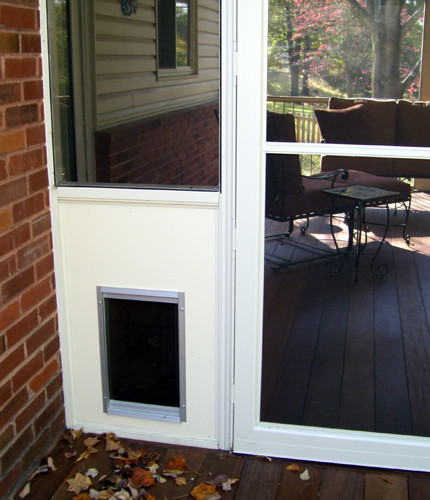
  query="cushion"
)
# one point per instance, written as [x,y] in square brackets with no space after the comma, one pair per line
[413,125]
[344,126]
[283,173]
[371,165]
[381,117]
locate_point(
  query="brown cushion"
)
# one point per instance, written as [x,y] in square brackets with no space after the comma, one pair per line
[371,165]
[413,125]
[283,173]
[344,126]
[381,117]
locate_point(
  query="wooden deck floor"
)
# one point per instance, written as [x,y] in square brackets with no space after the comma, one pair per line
[258,478]
[346,354]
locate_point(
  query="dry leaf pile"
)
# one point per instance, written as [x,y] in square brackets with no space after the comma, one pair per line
[133,473]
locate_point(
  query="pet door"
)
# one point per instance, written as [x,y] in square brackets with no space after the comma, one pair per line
[142,341]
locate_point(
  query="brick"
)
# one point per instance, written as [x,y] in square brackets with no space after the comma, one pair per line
[29,412]
[44,267]
[5,218]
[40,380]
[7,268]
[56,385]
[30,44]
[11,141]
[35,294]
[10,93]
[30,367]
[13,190]
[5,392]
[58,425]
[10,479]
[53,347]
[24,67]
[36,451]
[6,436]
[14,238]
[12,360]
[3,171]
[17,284]
[21,115]
[13,407]
[40,337]
[2,344]
[33,90]
[28,208]
[48,414]
[24,162]
[18,447]
[35,135]
[48,307]
[8,315]
[41,224]
[9,42]
[18,17]
[33,251]
[19,331]
[38,181]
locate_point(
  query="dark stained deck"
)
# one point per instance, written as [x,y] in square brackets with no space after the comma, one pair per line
[258,477]
[346,354]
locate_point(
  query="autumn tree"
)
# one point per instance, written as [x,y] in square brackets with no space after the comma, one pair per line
[388,22]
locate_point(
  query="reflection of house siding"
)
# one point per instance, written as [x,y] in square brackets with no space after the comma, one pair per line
[126,82]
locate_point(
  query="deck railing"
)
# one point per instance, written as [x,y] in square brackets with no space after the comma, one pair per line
[307,129]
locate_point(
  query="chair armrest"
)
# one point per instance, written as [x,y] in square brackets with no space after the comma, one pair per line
[332,175]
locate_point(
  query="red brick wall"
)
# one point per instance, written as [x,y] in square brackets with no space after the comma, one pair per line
[31,404]
[180,149]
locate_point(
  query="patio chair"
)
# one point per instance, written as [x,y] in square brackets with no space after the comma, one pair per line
[291,196]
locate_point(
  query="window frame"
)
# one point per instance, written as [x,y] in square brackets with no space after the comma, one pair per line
[180,71]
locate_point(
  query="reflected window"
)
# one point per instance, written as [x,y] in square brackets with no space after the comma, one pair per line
[174,31]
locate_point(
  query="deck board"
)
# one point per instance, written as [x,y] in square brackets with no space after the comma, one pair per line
[371,369]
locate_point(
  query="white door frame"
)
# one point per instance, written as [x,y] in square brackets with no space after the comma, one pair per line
[251,435]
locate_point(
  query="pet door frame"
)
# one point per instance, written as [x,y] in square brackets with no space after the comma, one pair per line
[133,409]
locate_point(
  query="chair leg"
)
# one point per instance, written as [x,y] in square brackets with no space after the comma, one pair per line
[350,222]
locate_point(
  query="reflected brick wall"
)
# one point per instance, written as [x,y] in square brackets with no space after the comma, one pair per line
[180,148]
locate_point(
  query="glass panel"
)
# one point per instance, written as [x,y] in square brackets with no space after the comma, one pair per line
[330,54]
[135,108]
[64,141]
[183,33]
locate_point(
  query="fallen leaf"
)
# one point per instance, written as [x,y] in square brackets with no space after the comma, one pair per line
[92,472]
[70,454]
[172,472]
[85,454]
[387,480]
[91,441]
[150,497]
[265,458]
[82,496]
[293,468]
[142,477]
[77,433]
[177,463]
[25,491]
[112,442]
[79,483]
[180,481]
[304,476]
[160,479]
[202,491]
[218,479]
[153,468]
[135,454]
